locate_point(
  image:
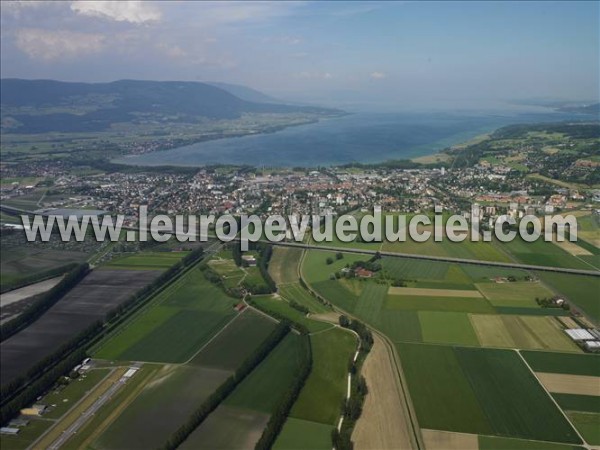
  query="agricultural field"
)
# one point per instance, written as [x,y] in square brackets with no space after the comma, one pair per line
[236,341]
[578,289]
[494,391]
[165,401]
[520,294]
[178,322]
[317,409]
[95,296]
[542,253]
[295,292]
[582,364]
[239,421]
[21,260]
[283,266]
[278,306]
[523,332]
[173,392]
[147,261]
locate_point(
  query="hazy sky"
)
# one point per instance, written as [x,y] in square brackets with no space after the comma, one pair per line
[338,52]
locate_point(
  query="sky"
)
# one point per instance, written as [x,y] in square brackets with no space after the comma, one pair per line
[375,54]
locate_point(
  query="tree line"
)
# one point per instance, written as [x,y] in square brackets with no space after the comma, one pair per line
[352,407]
[36,277]
[215,399]
[44,302]
[19,392]
[282,410]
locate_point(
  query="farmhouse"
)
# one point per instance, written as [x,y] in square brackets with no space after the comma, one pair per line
[361,272]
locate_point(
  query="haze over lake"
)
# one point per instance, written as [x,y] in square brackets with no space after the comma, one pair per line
[360,137]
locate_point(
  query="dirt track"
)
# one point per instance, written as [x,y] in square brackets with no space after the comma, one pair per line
[384,422]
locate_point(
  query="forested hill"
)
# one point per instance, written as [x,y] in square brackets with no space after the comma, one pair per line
[39,106]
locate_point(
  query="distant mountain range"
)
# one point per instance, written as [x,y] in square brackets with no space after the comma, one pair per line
[39,106]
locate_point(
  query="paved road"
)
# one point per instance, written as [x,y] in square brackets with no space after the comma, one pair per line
[81,420]
[594,273]
[478,262]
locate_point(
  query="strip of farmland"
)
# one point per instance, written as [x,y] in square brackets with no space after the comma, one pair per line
[96,295]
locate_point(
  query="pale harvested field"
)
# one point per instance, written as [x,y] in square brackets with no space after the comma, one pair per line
[332,317]
[572,248]
[424,292]
[446,440]
[570,384]
[384,422]
[490,331]
[523,332]
[28,291]
[568,322]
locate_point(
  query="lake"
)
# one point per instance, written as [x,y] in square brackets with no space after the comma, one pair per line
[360,137]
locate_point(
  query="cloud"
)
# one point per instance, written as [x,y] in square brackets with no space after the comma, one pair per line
[315,75]
[172,51]
[121,11]
[377,75]
[50,45]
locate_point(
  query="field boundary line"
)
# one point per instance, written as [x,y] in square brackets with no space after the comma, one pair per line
[585,443]
[214,337]
[395,359]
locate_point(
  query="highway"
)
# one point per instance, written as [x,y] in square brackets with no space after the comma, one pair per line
[510,265]
[594,273]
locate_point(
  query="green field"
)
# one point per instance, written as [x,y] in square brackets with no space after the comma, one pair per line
[298,434]
[542,253]
[500,443]
[572,402]
[281,307]
[516,294]
[370,303]
[235,342]
[577,289]
[511,398]
[181,319]
[440,327]
[588,424]
[166,401]
[262,389]
[296,292]
[227,428]
[450,304]
[581,364]
[240,419]
[147,260]
[66,397]
[480,391]
[441,394]
[320,399]
[315,267]
[28,434]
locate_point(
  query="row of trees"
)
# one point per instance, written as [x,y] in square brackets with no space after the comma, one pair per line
[36,277]
[279,416]
[352,407]
[44,302]
[11,408]
[26,388]
[211,403]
